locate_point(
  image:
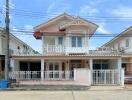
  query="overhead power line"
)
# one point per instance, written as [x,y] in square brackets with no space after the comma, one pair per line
[40,15]
[23,32]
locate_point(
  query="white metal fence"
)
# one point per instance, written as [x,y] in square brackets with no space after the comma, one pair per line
[106,77]
[36,75]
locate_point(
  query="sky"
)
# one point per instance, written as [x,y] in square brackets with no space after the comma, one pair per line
[112,16]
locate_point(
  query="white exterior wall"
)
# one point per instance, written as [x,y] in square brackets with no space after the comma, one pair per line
[122,41]
[13,45]
[53,41]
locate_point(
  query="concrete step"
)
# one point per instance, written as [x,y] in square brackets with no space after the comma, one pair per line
[50,87]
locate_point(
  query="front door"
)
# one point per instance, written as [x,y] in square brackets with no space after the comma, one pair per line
[54,70]
[75,64]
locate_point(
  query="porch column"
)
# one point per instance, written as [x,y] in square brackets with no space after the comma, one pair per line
[91,71]
[67,70]
[119,64]
[42,69]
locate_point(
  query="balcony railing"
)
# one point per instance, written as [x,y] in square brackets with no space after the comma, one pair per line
[23,52]
[63,49]
[54,49]
[103,50]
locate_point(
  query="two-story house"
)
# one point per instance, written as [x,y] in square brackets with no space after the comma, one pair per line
[66,58]
[16,46]
[123,45]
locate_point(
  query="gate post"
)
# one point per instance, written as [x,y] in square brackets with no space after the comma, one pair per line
[42,69]
[119,62]
[122,77]
[91,70]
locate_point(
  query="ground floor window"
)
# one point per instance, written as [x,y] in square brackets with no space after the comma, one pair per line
[100,64]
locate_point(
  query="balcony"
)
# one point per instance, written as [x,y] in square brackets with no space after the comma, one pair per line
[23,52]
[59,49]
[103,50]
[54,49]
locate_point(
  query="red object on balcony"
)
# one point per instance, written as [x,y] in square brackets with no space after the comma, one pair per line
[37,35]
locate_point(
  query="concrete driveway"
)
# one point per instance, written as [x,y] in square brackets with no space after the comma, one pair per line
[66,95]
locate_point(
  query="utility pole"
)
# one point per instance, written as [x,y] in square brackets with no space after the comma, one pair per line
[7,56]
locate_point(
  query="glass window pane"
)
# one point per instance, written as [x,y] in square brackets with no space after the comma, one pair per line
[56,66]
[127,42]
[50,66]
[60,40]
[73,41]
[79,41]
[118,45]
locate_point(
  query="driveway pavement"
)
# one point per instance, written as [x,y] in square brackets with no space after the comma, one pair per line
[66,95]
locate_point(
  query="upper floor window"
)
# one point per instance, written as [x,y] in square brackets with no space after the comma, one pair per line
[127,42]
[118,45]
[113,47]
[60,40]
[76,41]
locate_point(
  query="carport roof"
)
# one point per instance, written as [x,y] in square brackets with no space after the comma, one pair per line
[57,56]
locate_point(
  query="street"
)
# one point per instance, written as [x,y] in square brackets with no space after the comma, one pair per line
[67,95]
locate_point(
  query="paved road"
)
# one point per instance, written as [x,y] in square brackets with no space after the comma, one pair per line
[66,95]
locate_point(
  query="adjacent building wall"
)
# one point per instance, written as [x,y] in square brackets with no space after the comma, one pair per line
[121,40]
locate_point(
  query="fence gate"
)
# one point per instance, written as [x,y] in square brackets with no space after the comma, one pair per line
[106,77]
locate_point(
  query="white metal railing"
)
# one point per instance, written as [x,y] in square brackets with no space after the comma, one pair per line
[54,49]
[63,49]
[58,75]
[22,52]
[77,50]
[103,50]
[36,75]
[25,75]
[106,77]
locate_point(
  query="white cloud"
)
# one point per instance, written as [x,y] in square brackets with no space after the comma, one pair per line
[122,11]
[51,6]
[88,10]
[102,29]
[28,27]
[14,28]
[56,8]
[91,8]
[12,5]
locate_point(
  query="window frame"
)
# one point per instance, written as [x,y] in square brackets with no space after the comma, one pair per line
[127,42]
[60,38]
[76,41]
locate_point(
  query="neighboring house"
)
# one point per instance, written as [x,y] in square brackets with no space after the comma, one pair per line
[66,58]
[123,45]
[16,46]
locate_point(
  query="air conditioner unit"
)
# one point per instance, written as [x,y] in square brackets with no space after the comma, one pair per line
[122,49]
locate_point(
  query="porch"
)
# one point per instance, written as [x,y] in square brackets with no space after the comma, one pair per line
[52,71]
[127,65]
[73,69]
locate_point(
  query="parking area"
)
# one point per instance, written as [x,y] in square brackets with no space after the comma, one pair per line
[67,95]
